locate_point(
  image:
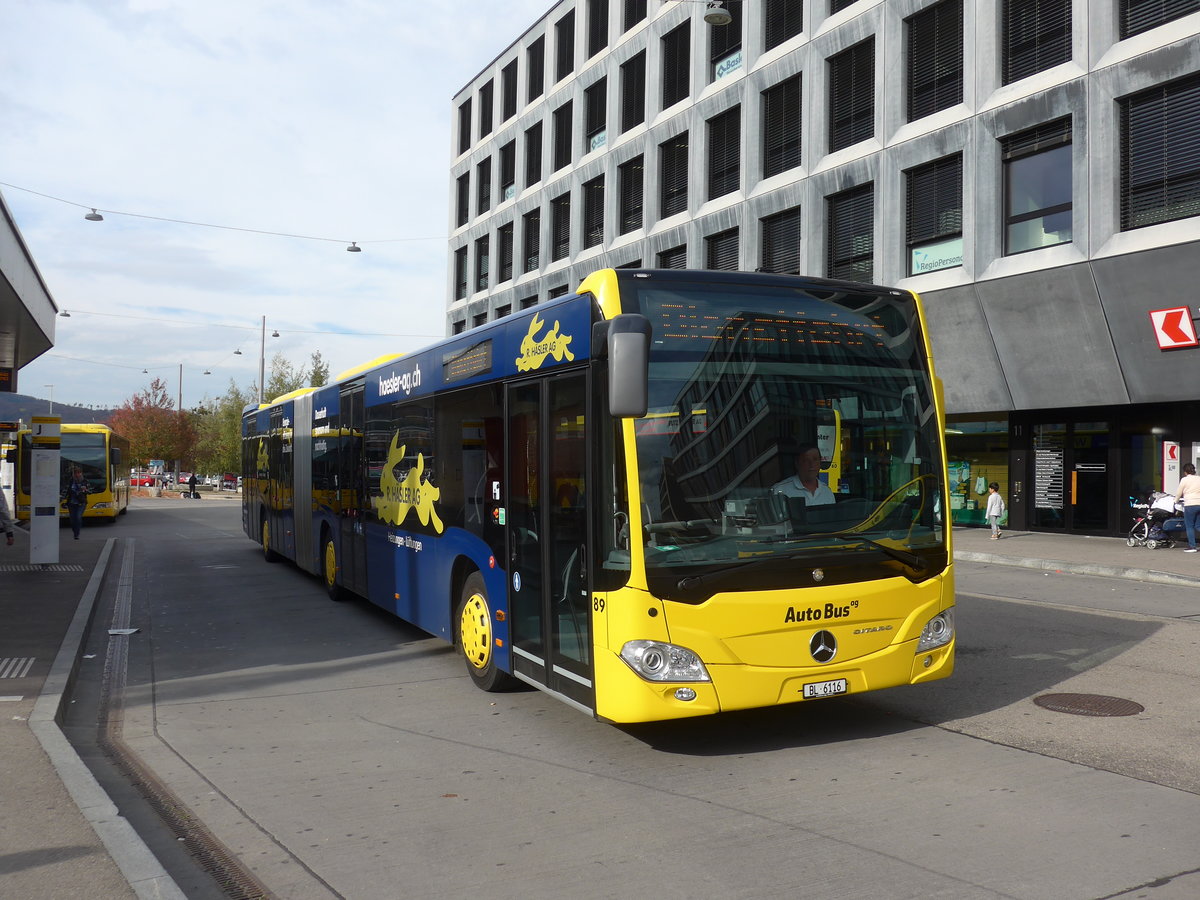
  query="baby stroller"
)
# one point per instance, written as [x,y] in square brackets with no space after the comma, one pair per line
[1154,522]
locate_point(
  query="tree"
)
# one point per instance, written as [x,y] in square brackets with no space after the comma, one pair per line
[153,427]
[219,432]
[283,378]
[318,372]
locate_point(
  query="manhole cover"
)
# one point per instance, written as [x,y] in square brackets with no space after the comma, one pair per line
[1089,705]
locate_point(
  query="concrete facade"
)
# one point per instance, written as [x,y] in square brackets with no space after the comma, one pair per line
[1060,327]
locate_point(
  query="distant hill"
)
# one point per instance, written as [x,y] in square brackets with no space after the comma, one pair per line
[14,407]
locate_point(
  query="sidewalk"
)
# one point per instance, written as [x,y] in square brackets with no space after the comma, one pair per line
[61,836]
[1082,555]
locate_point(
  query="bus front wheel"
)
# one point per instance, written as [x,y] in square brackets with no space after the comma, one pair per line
[475,635]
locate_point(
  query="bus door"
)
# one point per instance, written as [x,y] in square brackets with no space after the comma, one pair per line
[546,535]
[351,497]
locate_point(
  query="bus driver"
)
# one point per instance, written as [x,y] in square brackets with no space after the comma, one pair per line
[806,483]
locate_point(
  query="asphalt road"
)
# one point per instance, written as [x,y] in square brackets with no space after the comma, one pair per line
[336,752]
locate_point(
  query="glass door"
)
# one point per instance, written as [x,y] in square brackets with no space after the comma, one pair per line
[1071,490]
[547,534]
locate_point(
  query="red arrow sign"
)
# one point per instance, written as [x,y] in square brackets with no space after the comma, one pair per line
[1173,328]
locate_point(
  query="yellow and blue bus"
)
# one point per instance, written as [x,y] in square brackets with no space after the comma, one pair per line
[103,456]
[591,496]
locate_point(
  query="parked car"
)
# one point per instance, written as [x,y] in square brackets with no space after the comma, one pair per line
[142,480]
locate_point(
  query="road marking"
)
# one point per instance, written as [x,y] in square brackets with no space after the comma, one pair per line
[12,698]
[15,666]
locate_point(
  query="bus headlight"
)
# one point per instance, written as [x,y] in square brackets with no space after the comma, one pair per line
[937,632]
[101,506]
[656,661]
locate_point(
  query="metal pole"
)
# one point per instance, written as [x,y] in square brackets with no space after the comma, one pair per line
[262,360]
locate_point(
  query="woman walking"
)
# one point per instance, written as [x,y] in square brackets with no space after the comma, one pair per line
[1189,496]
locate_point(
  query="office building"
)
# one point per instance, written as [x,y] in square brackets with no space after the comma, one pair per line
[1031,168]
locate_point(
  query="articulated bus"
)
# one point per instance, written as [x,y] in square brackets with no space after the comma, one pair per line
[102,455]
[591,496]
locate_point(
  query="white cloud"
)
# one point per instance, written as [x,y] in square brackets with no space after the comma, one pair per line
[309,117]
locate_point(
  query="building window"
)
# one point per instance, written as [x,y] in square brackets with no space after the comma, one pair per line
[836,6]
[724,153]
[508,91]
[673,176]
[556,291]
[504,311]
[721,251]
[783,19]
[504,240]
[486,104]
[597,36]
[593,212]
[675,258]
[462,206]
[850,232]
[562,136]
[535,69]
[595,102]
[1160,156]
[464,126]
[935,58]
[560,227]
[934,227]
[508,171]
[630,176]
[676,49]
[478,319]
[459,326]
[781,127]
[483,186]
[528,302]
[1037,187]
[781,242]
[482,262]
[531,240]
[564,46]
[633,92]
[852,95]
[533,154]
[1035,35]
[635,11]
[1136,16]
[725,45]
[632,264]
[460,273]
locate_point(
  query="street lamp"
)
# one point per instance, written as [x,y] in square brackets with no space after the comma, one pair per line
[51,397]
[262,359]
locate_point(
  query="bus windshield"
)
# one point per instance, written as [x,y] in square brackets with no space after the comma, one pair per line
[86,450]
[788,425]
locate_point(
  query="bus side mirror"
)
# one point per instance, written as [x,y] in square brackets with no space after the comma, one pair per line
[115,455]
[625,339]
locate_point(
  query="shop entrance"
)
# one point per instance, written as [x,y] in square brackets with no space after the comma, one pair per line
[1071,477]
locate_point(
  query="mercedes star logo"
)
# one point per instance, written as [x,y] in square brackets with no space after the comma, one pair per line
[823,646]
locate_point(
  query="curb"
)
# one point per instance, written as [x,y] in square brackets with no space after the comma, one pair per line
[1054,565]
[141,868]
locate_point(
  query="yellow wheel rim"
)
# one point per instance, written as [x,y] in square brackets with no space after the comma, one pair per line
[475,629]
[330,564]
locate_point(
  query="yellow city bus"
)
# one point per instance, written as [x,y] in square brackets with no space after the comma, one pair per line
[600,496]
[103,456]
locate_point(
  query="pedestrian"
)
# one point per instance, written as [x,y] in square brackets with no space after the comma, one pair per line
[76,496]
[995,509]
[1189,494]
[192,495]
[6,521]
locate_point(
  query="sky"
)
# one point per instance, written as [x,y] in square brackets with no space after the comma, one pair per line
[325,119]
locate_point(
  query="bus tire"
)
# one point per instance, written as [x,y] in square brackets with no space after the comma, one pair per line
[268,554]
[474,634]
[329,568]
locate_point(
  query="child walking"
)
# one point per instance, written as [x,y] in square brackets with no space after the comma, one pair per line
[995,509]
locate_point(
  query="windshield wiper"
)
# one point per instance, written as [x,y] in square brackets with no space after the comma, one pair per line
[912,560]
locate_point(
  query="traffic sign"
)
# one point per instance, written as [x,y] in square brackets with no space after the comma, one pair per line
[1173,328]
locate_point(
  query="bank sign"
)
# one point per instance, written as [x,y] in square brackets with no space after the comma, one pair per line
[1173,328]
